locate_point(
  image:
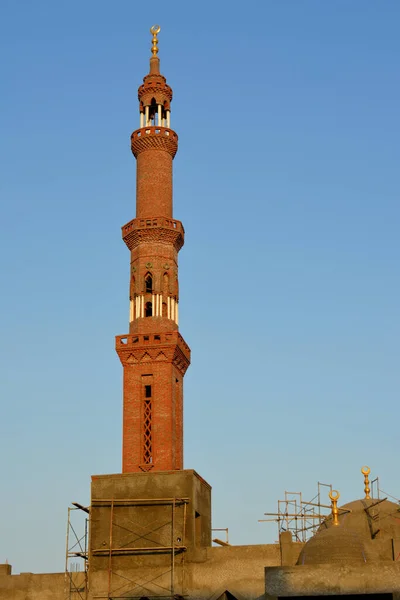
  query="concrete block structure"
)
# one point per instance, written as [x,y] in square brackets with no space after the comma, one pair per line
[147,521]
[151,536]
[148,531]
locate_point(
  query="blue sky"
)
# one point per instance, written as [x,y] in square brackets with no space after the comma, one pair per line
[287,183]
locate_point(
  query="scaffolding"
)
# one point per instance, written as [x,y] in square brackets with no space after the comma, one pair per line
[301,518]
[76,555]
[219,541]
[128,536]
[375,491]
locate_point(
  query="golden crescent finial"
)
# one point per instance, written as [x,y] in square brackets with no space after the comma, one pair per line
[366,471]
[155,30]
[334,496]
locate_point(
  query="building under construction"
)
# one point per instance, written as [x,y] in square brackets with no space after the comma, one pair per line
[147,533]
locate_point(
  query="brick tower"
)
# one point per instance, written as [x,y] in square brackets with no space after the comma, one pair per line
[154,355]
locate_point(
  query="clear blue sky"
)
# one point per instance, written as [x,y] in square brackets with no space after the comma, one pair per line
[287,182]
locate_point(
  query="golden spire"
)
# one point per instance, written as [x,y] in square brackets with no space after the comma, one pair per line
[155,30]
[366,471]
[334,496]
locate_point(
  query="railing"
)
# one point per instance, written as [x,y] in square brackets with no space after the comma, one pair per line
[151,339]
[154,130]
[152,222]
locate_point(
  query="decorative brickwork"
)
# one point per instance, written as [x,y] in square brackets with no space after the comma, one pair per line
[157,229]
[154,355]
[154,138]
[154,87]
[147,437]
[157,347]
[158,90]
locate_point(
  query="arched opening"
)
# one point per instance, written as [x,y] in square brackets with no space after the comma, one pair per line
[148,283]
[164,309]
[166,114]
[148,309]
[153,111]
[142,114]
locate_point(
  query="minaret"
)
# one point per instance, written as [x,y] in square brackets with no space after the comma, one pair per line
[154,355]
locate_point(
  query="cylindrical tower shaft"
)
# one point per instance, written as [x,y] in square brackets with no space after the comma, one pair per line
[154,355]
[154,184]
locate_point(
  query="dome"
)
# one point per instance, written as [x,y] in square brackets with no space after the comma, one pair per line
[364,534]
[333,545]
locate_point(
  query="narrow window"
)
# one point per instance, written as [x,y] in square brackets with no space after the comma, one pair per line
[148,283]
[148,310]
[153,111]
[147,433]
[147,419]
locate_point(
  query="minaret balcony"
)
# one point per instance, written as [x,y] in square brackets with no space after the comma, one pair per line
[158,347]
[153,229]
[154,138]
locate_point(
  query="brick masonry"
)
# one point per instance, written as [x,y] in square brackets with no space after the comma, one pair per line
[154,356]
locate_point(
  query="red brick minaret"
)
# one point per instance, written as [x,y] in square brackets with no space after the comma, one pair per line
[154,355]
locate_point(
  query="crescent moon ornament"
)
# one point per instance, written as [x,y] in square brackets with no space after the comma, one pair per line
[334,496]
[366,471]
[154,30]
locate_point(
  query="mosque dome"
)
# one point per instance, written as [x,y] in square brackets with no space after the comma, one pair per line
[365,533]
[333,545]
